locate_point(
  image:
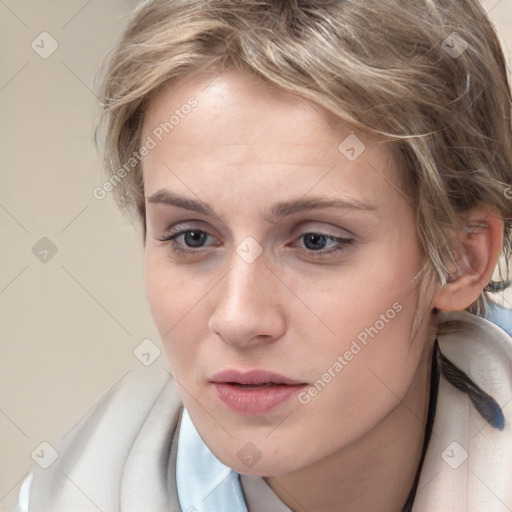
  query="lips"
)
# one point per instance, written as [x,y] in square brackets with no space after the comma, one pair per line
[253,377]
[254,392]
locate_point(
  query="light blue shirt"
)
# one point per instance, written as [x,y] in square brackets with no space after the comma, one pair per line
[204,483]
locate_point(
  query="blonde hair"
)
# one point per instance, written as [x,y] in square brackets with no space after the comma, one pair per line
[428,75]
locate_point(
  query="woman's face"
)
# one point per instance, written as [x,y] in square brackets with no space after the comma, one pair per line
[285,292]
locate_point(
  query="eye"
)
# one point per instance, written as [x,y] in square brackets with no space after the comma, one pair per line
[187,241]
[321,244]
[193,238]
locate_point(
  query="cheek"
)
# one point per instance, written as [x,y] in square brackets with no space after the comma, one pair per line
[363,336]
[174,298]
[180,302]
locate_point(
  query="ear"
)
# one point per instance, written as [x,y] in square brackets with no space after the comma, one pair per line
[479,246]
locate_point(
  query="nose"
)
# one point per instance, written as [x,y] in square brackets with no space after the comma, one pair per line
[247,310]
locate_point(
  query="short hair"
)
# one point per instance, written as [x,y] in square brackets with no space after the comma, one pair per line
[427,75]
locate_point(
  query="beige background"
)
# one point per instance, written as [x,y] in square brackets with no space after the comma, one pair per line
[68,325]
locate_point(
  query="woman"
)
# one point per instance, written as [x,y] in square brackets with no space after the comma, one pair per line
[323,190]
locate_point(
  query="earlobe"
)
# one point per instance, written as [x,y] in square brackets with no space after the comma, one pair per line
[480,242]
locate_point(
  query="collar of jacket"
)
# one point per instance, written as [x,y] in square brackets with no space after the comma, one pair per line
[468,464]
[123,455]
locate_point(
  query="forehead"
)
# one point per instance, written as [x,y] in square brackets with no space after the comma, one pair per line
[242,112]
[236,124]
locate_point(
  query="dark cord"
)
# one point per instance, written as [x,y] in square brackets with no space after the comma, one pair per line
[434,389]
[484,403]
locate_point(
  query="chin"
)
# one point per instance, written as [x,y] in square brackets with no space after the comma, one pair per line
[267,460]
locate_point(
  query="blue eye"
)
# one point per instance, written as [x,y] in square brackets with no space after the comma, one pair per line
[322,244]
[191,239]
[316,241]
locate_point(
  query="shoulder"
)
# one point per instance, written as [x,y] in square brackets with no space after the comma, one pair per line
[128,434]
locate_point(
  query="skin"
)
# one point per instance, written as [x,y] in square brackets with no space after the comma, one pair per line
[244,147]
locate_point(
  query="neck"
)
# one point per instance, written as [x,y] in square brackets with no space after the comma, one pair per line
[375,472]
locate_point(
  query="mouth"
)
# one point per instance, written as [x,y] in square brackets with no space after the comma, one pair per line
[254,392]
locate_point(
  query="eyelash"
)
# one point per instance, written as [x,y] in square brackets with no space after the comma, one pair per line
[170,240]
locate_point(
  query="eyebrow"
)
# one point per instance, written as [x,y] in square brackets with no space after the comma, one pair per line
[278,210]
